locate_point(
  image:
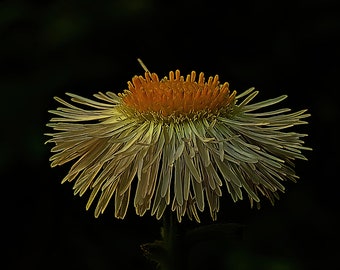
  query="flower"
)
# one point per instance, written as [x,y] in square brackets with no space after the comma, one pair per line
[177,141]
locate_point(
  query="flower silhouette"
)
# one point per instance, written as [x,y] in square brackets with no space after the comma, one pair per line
[179,141]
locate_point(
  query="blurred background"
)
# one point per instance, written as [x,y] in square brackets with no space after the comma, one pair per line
[48,48]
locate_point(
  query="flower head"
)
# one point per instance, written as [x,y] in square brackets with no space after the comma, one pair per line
[179,142]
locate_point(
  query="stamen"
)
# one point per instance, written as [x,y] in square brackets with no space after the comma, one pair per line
[176,96]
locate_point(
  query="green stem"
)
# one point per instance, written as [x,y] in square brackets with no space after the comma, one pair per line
[165,252]
[170,240]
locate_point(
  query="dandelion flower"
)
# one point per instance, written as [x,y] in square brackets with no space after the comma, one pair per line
[179,142]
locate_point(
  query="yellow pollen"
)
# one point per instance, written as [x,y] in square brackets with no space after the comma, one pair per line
[175,95]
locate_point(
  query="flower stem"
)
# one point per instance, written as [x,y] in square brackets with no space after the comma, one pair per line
[165,252]
[170,240]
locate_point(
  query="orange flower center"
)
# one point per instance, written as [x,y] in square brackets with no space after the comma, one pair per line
[176,96]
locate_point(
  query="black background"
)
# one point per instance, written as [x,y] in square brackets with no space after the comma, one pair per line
[280,47]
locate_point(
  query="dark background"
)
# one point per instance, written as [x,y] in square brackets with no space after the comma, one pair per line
[280,47]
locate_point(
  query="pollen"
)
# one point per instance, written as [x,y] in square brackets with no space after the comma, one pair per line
[176,95]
